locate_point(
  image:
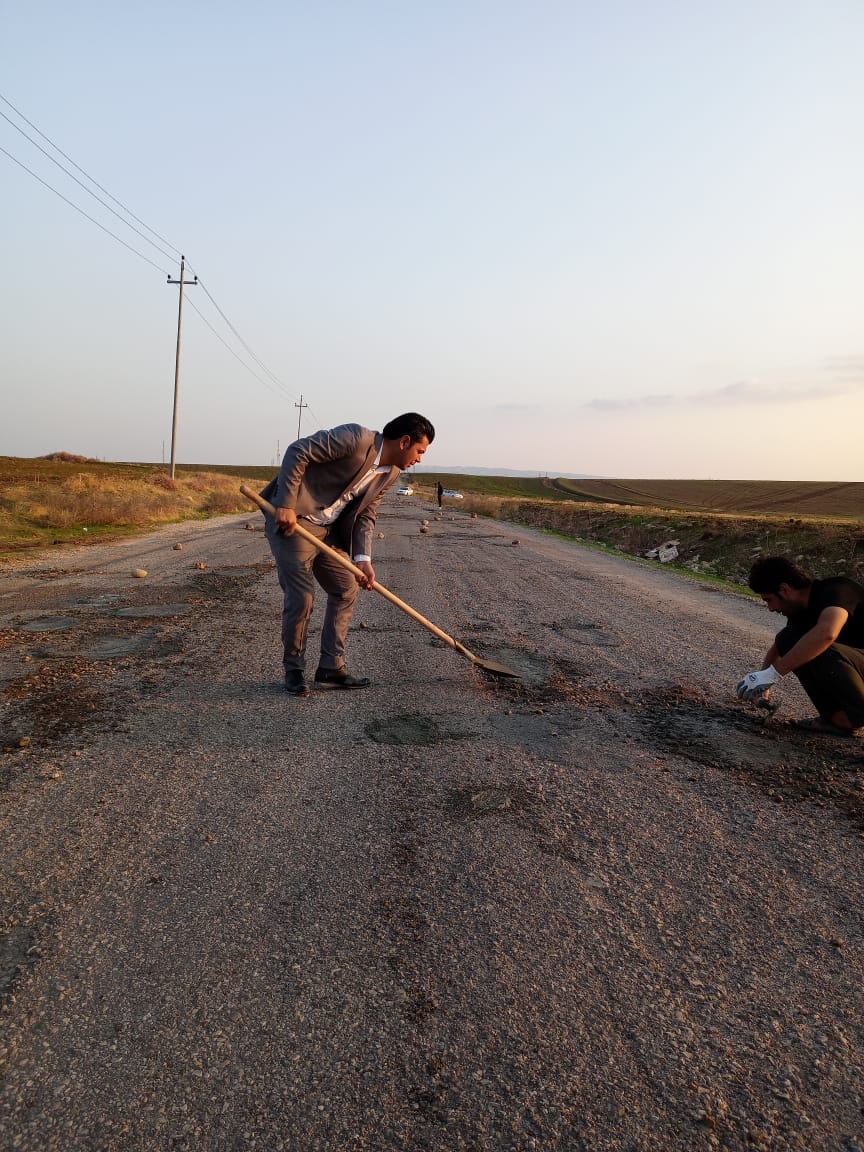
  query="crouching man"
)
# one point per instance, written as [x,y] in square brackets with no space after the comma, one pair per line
[822,643]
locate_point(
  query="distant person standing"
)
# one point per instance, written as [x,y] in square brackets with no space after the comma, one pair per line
[333,481]
[822,643]
[440,491]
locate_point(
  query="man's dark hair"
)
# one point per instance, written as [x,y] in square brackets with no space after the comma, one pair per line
[409,424]
[770,572]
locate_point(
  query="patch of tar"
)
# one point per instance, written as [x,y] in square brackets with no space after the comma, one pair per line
[784,762]
[407,729]
[147,611]
[49,624]
[17,947]
[529,667]
[114,647]
[483,800]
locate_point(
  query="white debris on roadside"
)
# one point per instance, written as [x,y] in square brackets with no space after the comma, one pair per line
[665,552]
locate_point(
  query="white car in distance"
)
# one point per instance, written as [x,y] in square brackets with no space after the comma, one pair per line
[405,490]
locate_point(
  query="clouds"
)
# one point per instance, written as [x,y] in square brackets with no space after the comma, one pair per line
[602,405]
[841,376]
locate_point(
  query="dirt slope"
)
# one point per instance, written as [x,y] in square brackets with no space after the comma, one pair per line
[599,908]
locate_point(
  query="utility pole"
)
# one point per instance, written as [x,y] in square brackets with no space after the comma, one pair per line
[181,282]
[301,406]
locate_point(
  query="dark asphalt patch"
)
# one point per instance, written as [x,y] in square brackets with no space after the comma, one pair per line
[779,759]
[545,683]
[152,611]
[408,729]
[484,800]
[117,645]
[17,954]
[49,624]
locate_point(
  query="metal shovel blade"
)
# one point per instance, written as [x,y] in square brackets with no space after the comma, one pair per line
[498,669]
[486,665]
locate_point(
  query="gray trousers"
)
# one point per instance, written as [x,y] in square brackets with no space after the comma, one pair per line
[299,564]
[834,681]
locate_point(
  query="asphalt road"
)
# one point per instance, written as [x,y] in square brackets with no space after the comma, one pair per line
[602,907]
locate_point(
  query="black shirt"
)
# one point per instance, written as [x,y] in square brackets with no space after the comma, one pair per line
[836,592]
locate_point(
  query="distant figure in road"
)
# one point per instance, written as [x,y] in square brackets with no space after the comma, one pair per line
[333,482]
[440,491]
[822,643]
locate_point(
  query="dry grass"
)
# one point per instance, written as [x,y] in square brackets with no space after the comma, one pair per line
[46,502]
[54,500]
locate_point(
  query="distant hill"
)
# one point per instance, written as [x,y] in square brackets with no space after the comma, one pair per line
[466,470]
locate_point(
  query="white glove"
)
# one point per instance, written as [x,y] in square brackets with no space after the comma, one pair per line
[756,684]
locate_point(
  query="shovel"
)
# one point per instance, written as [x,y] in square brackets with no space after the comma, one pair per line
[341,558]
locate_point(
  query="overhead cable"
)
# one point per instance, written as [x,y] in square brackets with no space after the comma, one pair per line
[257,360]
[89,191]
[83,213]
[261,379]
[9,104]
[274,379]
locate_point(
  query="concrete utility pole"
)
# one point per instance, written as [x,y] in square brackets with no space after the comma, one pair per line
[182,283]
[301,406]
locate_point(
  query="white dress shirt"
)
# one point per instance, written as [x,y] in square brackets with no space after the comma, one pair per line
[328,515]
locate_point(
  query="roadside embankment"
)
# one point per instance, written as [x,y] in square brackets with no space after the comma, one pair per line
[713,544]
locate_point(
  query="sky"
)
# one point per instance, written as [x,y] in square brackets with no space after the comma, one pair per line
[620,239]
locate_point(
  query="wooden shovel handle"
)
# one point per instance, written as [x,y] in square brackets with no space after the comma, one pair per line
[342,559]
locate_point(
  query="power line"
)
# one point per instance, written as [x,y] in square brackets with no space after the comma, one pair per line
[135,251]
[240,361]
[89,191]
[316,417]
[30,124]
[285,391]
[257,359]
[66,200]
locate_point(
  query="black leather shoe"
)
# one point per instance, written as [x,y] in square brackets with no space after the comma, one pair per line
[295,684]
[339,678]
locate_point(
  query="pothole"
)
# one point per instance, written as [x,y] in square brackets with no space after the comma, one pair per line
[148,642]
[483,800]
[781,760]
[17,947]
[149,611]
[49,624]
[115,647]
[590,635]
[531,669]
[407,729]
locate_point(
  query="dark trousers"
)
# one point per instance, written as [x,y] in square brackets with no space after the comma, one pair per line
[299,564]
[834,681]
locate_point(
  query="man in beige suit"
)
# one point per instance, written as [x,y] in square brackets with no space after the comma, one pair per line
[333,481]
